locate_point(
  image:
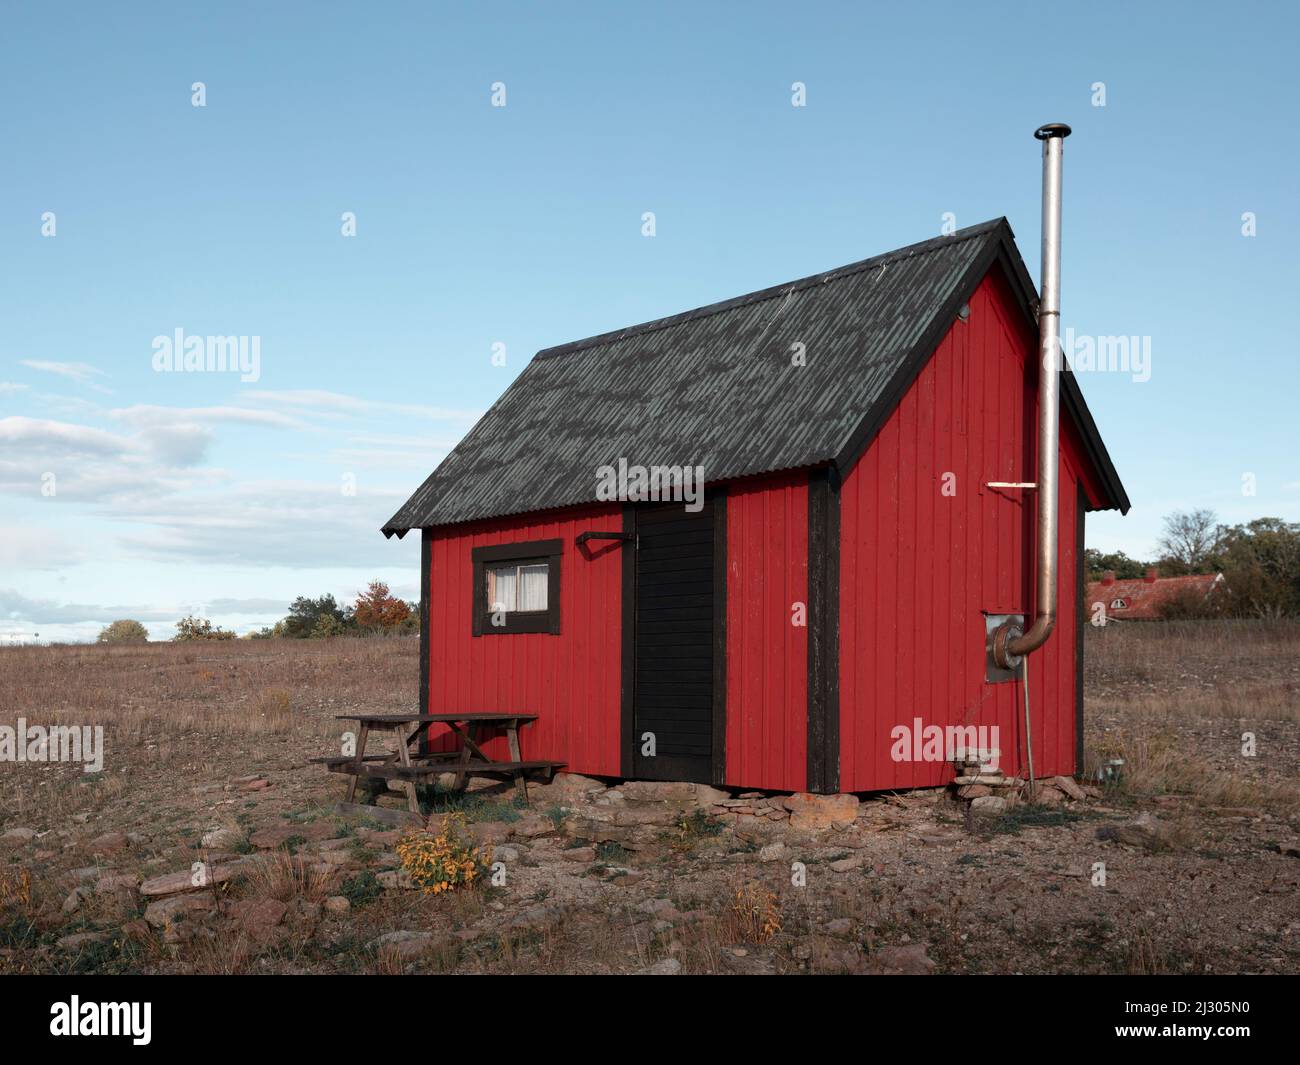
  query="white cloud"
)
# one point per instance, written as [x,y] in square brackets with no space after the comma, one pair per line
[323,402]
[51,437]
[142,414]
[80,372]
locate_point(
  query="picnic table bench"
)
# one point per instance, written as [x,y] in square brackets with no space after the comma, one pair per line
[426,766]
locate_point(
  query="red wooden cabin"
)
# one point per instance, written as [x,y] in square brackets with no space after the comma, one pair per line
[831,585]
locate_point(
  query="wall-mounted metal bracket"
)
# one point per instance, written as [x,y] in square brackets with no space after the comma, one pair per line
[993,673]
[582,538]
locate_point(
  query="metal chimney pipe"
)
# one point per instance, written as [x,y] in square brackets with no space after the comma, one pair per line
[1010,644]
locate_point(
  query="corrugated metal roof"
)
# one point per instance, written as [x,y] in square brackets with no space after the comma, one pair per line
[714,387]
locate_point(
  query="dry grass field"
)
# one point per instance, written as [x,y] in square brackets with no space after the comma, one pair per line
[206,761]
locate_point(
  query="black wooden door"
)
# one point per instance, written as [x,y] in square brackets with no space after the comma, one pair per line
[676,624]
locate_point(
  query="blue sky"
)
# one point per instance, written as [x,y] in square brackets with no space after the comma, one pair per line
[521,225]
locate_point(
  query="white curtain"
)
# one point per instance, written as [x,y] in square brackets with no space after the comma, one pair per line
[532,587]
[501,588]
[514,587]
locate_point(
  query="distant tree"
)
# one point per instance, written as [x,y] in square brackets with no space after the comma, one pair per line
[305,615]
[1189,540]
[377,609]
[192,628]
[327,625]
[123,631]
[1260,562]
[1125,568]
[1192,604]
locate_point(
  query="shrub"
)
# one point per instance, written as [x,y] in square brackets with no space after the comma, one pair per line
[755,915]
[327,625]
[362,888]
[123,631]
[200,629]
[444,861]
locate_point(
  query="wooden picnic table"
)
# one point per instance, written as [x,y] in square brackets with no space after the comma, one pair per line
[470,760]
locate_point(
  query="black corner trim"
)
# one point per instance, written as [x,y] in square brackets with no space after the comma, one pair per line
[1080,626]
[823,617]
[719,502]
[627,748]
[426,582]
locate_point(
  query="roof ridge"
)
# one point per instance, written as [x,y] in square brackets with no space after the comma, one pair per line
[908,251]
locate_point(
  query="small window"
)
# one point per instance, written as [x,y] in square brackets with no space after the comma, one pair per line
[517,588]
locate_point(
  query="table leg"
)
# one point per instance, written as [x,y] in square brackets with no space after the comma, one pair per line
[521,785]
[356,766]
[404,756]
[465,747]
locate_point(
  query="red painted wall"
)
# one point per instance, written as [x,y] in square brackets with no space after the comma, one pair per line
[767,655]
[918,567]
[571,680]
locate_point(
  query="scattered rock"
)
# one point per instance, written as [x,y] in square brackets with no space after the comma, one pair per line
[486,833]
[396,880]
[503,853]
[1145,831]
[17,837]
[259,918]
[1048,796]
[988,804]
[222,838]
[813,813]
[659,791]
[109,885]
[663,967]
[1068,785]
[138,930]
[406,945]
[580,854]
[337,904]
[165,912]
[705,795]
[773,852]
[174,883]
[841,926]
[908,960]
[73,902]
[847,865]
[567,787]
[109,843]
[81,939]
[532,826]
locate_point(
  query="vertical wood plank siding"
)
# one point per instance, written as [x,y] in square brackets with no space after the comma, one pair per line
[571,680]
[767,655]
[918,566]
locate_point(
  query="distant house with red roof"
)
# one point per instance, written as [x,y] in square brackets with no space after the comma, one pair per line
[1146,598]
